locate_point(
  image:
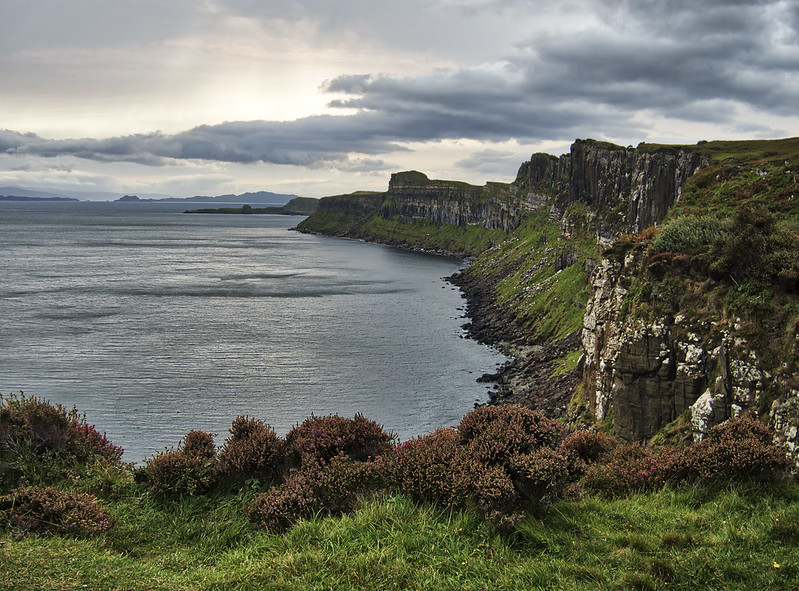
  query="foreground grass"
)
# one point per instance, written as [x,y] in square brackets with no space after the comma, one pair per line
[737,538]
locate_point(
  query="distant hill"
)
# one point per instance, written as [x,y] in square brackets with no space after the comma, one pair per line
[28,198]
[20,194]
[50,192]
[8,193]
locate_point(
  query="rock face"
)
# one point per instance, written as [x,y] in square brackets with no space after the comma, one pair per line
[356,205]
[641,373]
[412,195]
[630,188]
[646,374]
[626,189]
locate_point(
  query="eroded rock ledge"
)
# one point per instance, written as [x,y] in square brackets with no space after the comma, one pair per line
[645,373]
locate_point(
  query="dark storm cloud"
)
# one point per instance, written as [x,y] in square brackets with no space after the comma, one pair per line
[687,60]
[670,56]
[694,61]
[391,114]
[305,142]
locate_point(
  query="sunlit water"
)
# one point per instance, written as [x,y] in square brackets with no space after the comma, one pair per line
[156,322]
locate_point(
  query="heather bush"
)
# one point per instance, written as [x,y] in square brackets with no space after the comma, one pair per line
[187,470]
[329,487]
[48,511]
[589,446]
[41,443]
[281,507]
[199,444]
[539,476]
[523,443]
[323,438]
[739,449]
[253,450]
[633,468]
[491,492]
[583,448]
[51,429]
[500,461]
[433,467]
[495,433]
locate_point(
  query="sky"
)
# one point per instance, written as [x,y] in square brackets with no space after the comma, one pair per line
[322,97]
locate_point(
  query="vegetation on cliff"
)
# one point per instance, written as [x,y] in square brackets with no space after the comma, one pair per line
[706,241]
[449,217]
[728,255]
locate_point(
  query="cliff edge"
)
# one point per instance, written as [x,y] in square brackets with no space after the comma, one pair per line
[653,290]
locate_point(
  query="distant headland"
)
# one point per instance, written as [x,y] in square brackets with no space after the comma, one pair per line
[297,206]
[259,198]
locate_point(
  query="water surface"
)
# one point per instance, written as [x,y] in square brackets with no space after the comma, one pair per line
[156,322]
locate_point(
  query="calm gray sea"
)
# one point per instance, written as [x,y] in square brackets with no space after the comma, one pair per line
[155,322]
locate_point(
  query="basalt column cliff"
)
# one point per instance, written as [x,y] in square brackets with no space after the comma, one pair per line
[610,275]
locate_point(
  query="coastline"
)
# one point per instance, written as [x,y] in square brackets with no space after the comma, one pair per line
[531,377]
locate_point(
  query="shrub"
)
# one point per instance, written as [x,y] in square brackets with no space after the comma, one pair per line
[199,444]
[589,446]
[495,433]
[738,449]
[323,438]
[694,234]
[187,470]
[330,488]
[48,511]
[281,507]
[539,476]
[522,442]
[40,442]
[742,252]
[253,450]
[500,461]
[491,492]
[432,467]
[633,468]
[51,430]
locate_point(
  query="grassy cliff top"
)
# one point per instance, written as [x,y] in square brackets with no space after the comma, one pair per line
[743,150]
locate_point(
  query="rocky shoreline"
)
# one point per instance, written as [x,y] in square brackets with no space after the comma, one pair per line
[530,378]
[527,378]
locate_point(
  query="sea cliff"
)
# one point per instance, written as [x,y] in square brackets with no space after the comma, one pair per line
[610,319]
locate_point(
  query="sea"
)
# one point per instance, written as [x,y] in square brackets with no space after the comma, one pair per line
[154,322]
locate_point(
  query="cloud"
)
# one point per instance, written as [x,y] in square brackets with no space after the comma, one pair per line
[389,116]
[601,73]
[305,142]
[672,56]
[492,162]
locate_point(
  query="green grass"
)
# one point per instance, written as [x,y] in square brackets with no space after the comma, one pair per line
[686,539]
[422,234]
[468,240]
[549,303]
[763,171]
[566,363]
